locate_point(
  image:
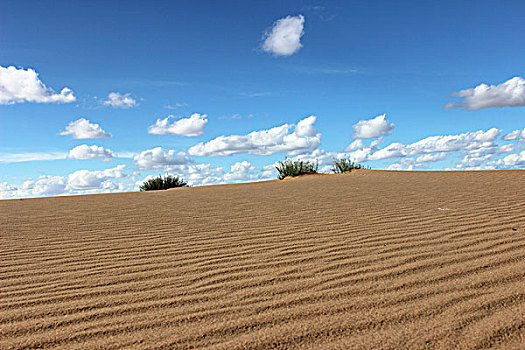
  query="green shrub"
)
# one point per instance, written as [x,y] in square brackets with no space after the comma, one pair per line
[162,183]
[296,168]
[344,165]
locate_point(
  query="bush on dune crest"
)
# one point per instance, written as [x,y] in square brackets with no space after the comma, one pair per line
[296,168]
[162,183]
[344,165]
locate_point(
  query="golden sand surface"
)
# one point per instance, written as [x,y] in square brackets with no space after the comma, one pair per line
[366,260]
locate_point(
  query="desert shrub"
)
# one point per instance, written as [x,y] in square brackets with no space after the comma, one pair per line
[344,165]
[296,168]
[162,183]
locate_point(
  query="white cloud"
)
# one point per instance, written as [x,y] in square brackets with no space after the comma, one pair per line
[237,116]
[242,172]
[357,144]
[403,164]
[508,94]
[194,174]
[46,186]
[78,182]
[201,174]
[443,143]
[408,163]
[192,126]
[511,161]
[19,85]
[90,152]
[284,38]
[431,157]
[393,150]
[264,142]
[30,156]
[176,105]
[158,159]
[92,180]
[513,135]
[480,156]
[84,129]
[118,100]
[375,127]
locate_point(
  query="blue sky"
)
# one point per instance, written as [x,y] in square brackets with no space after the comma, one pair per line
[376,76]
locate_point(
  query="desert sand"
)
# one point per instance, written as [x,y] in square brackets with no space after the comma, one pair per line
[370,259]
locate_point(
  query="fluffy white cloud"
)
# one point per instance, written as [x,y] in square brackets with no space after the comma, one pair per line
[375,127]
[90,152]
[480,156]
[19,85]
[159,159]
[78,182]
[516,160]
[513,135]
[284,38]
[443,143]
[264,142]
[84,129]
[46,186]
[408,163]
[403,164]
[242,172]
[118,100]
[91,180]
[431,157]
[357,144]
[508,94]
[192,126]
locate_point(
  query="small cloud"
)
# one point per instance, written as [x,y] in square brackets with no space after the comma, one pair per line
[159,159]
[237,116]
[18,85]
[508,94]
[514,135]
[90,152]
[375,127]
[176,105]
[284,38]
[255,94]
[357,144]
[326,70]
[84,129]
[320,11]
[118,100]
[192,126]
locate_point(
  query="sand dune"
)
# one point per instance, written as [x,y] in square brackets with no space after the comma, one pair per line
[371,259]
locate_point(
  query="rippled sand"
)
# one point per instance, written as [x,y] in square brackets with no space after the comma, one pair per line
[371,259]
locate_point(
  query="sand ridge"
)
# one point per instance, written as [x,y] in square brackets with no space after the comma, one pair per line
[371,259]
